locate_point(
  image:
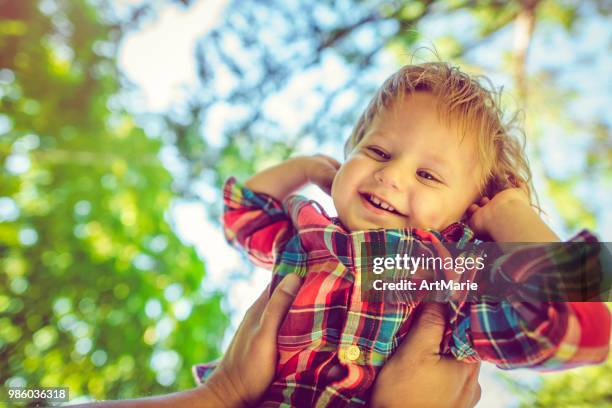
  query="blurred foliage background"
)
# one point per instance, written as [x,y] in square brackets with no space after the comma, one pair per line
[98,292]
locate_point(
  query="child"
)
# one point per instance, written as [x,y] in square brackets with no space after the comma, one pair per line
[426,154]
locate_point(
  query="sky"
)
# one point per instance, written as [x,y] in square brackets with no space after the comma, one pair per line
[159,60]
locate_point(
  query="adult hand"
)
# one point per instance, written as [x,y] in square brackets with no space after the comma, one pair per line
[249,364]
[418,376]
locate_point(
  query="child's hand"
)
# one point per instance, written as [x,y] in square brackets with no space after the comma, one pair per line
[508,217]
[483,216]
[321,170]
[289,176]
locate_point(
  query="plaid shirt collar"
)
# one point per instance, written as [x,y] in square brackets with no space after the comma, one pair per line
[316,232]
[308,215]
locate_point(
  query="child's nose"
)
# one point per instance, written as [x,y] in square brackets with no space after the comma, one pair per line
[393,176]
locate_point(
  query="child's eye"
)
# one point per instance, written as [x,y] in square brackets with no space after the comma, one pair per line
[426,175]
[378,152]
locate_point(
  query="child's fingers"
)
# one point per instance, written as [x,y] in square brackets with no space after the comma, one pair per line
[330,160]
[326,188]
[335,164]
[472,209]
[521,184]
[327,179]
[515,183]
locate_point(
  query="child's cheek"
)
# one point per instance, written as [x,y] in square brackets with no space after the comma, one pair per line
[340,187]
[340,179]
[428,213]
[346,176]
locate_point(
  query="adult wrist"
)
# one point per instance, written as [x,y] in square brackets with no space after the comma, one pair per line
[221,392]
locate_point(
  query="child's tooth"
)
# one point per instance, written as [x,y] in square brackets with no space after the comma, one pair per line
[391,208]
[375,200]
[384,205]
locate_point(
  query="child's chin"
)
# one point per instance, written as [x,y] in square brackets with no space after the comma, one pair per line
[364,226]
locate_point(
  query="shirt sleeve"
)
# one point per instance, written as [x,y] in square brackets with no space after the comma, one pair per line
[201,372]
[255,222]
[538,334]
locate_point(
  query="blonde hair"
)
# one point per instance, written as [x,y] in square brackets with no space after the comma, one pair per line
[473,104]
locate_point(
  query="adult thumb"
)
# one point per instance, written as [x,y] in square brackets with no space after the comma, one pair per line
[426,333]
[279,303]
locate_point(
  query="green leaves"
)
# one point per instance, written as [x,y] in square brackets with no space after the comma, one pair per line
[90,246]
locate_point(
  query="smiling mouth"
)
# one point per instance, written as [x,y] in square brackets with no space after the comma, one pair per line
[378,203]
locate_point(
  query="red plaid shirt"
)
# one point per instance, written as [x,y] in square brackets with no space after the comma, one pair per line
[333,342]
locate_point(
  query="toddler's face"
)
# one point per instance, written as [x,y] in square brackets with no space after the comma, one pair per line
[409,170]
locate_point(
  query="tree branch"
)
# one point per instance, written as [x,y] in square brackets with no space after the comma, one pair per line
[523,31]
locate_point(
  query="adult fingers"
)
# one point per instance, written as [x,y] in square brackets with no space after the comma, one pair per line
[255,311]
[467,391]
[477,388]
[471,393]
[476,396]
[251,320]
[279,303]
[426,334]
[465,373]
[469,397]
[475,370]
[472,387]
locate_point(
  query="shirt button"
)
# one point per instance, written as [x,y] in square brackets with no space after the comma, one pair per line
[352,352]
